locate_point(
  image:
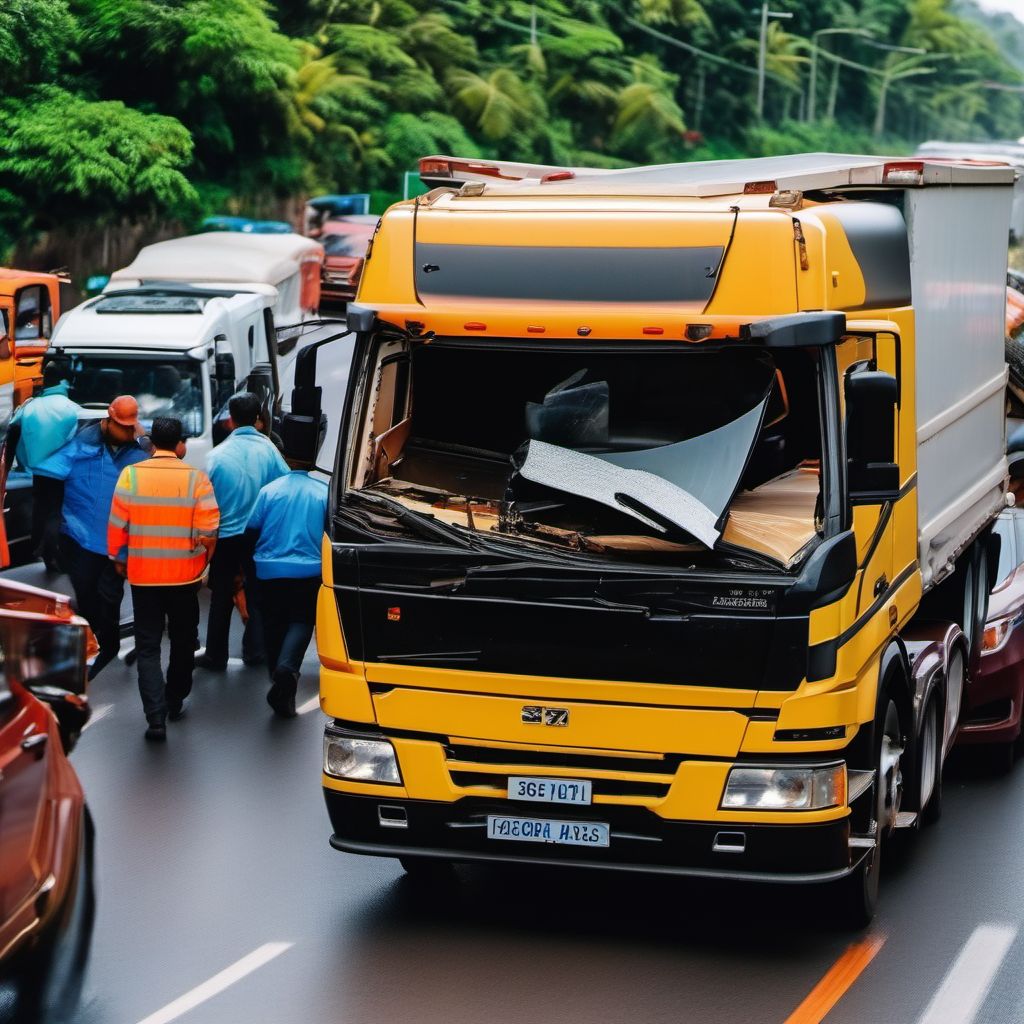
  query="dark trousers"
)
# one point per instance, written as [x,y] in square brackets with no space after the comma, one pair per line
[98,592]
[178,608]
[231,556]
[47,499]
[288,607]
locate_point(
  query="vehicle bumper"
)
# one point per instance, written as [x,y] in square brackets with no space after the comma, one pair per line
[640,841]
[994,712]
[337,292]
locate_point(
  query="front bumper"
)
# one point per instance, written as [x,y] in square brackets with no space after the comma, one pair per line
[640,841]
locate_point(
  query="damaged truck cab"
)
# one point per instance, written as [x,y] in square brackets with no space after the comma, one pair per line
[659,529]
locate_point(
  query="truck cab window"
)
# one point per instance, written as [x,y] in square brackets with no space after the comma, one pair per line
[32,313]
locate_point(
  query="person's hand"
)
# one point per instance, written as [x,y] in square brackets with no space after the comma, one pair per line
[121,568]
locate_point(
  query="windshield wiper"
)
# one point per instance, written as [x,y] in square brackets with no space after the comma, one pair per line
[424,525]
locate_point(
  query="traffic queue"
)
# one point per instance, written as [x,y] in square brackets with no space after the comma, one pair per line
[109,418]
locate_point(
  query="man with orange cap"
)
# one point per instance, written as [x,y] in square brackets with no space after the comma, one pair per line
[89,464]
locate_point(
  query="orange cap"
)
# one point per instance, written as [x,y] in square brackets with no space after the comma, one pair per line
[124,410]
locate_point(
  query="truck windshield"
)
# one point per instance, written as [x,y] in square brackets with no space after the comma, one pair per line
[163,386]
[663,454]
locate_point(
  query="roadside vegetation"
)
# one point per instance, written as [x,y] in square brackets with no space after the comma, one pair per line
[115,110]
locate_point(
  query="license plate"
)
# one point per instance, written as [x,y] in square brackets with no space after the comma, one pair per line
[549,791]
[543,830]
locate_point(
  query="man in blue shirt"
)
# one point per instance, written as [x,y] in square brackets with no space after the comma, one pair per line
[40,426]
[238,468]
[90,464]
[287,527]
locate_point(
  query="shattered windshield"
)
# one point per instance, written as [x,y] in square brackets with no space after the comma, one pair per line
[662,453]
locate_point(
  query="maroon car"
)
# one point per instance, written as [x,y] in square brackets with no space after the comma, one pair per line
[345,241]
[992,712]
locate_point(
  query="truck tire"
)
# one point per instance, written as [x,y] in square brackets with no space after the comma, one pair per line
[963,597]
[930,765]
[858,892]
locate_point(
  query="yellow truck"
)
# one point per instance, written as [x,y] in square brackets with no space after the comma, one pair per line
[660,523]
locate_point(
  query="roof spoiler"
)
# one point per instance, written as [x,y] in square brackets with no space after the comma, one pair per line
[452,171]
[798,330]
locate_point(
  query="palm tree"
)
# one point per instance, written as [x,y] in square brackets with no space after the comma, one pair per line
[648,117]
[497,105]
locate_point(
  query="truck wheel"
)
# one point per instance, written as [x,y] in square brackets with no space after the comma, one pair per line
[930,772]
[859,891]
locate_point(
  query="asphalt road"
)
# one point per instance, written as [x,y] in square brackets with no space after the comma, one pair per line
[220,902]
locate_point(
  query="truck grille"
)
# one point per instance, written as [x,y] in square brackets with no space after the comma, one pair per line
[471,766]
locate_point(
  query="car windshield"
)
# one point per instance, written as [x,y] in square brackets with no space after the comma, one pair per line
[344,245]
[162,385]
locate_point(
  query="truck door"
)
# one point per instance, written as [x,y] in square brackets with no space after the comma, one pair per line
[876,525]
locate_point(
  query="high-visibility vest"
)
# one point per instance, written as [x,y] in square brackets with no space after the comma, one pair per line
[162,509]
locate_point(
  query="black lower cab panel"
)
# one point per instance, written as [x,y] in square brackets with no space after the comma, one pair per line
[639,840]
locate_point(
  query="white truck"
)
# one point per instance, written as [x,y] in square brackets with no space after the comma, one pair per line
[181,351]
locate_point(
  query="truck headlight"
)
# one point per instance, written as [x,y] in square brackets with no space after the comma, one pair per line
[785,789]
[364,760]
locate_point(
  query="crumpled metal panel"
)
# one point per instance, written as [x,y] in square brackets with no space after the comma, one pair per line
[631,491]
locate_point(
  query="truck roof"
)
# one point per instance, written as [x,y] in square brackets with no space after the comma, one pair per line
[803,171]
[180,323]
[222,256]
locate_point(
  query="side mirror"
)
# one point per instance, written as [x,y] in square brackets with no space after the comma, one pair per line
[71,711]
[872,474]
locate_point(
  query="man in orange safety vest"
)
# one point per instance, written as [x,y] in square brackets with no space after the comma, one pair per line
[161,535]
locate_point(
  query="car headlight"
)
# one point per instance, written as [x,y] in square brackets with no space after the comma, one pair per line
[363,760]
[995,635]
[785,789]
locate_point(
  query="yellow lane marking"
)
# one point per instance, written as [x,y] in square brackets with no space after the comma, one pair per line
[837,981]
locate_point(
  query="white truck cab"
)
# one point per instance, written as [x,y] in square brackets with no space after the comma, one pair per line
[180,351]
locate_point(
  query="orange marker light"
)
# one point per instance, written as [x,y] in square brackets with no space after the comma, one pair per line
[535,330]
[654,330]
[474,325]
[394,614]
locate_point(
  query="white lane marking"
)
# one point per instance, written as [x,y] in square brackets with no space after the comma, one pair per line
[313,704]
[218,983]
[98,714]
[960,996]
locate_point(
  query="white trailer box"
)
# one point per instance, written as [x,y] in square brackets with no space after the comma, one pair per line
[957,217]
[286,267]
[999,152]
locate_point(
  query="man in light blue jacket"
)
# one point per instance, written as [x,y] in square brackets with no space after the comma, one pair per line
[40,427]
[238,467]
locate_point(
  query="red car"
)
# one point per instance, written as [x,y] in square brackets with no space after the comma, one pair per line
[46,836]
[345,242]
[992,711]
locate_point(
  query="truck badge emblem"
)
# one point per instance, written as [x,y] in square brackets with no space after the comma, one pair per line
[534,715]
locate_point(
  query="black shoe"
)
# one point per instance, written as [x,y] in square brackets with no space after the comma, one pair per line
[254,662]
[282,693]
[52,568]
[176,710]
[156,732]
[205,661]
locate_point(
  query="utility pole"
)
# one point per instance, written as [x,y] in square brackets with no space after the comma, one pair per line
[812,96]
[763,54]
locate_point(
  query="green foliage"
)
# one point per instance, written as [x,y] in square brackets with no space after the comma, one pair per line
[62,152]
[125,108]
